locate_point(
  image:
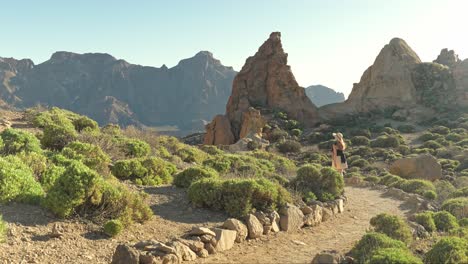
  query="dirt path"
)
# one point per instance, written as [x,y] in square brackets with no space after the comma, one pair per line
[338,234]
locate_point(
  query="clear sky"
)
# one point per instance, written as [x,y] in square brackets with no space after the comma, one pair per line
[330,42]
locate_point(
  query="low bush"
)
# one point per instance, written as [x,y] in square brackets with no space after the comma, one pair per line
[373,179]
[238,197]
[148,171]
[192,155]
[449,165]
[59,133]
[445,221]
[361,132]
[441,130]
[135,148]
[360,163]
[432,144]
[394,256]
[393,226]
[386,141]
[457,207]
[292,124]
[289,146]
[430,195]
[91,155]
[448,250]
[296,132]
[16,141]
[391,180]
[372,242]
[463,222]
[417,186]
[85,123]
[428,136]
[35,161]
[316,137]
[278,134]
[320,181]
[454,137]
[426,220]
[17,182]
[50,175]
[186,177]
[360,141]
[3,230]
[113,227]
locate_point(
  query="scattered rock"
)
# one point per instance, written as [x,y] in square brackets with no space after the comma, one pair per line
[148,259]
[254,226]
[57,231]
[421,167]
[165,248]
[203,253]
[182,251]
[327,214]
[291,218]
[170,259]
[200,231]
[263,218]
[210,248]
[125,255]
[315,217]
[297,242]
[194,245]
[275,221]
[225,238]
[239,227]
[208,239]
[340,204]
[266,229]
[306,210]
[143,244]
[328,257]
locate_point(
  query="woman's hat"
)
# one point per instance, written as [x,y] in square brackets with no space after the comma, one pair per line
[337,135]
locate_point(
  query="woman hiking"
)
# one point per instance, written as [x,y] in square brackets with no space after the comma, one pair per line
[338,156]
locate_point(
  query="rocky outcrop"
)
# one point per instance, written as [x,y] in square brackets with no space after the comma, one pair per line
[219,132]
[321,95]
[447,58]
[266,81]
[460,74]
[421,167]
[110,90]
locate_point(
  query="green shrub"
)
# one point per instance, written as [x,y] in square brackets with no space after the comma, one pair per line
[404,150]
[463,222]
[360,163]
[417,186]
[149,171]
[50,175]
[386,141]
[58,134]
[17,182]
[281,164]
[445,221]
[82,122]
[463,192]
[448,250]
[457,207]
[289,146]
[392,180]
[91,155]
[454,137]
[292,124]
[113,227]
[316,137]
[393,226]
[372,242]
[296,132]
[74,187]
[373,179]
[360,141]
[426,219]
[448,164]
[136,148]
[186,177]
[441,130]
[428,136]
[430,195]
[220,164]
[192,154]
[432,144]
[3,230]
[16,141]
[35,161]
[406,128]
[238,197]
[322,182]
[278,134]
[394,256]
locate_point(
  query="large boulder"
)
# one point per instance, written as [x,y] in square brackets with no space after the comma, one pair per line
[252,123]
[254,226]
[239,227]
[125,255]
[182,251]
[447,58]
[291,218]
[314,217]
[421,167]
[328,257]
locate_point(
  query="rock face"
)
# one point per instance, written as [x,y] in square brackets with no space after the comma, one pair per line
[460,74]
[218,132]
[112,90]
[321,95]
[254,226]
[389,80]
[447,58]
[266,81]
[422,167]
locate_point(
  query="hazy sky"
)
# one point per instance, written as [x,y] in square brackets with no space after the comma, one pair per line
[330,42]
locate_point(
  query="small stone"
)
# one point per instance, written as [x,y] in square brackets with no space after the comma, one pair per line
[203,253]
[143,244]
[165,248]
[208,239]
[199,231]
[125,255]
[195,246]
[210,248]
[183,252]
[148,259]
[170,259]
[57,231]
[263,218]
[297,242]
[328,257]
[306,210]
[266,229]
[225,238]
[239,227]
[327,214]
[340,204]
[291,218]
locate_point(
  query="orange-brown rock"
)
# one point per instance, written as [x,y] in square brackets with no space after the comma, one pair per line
[252,123]
[218,132]
[267,81]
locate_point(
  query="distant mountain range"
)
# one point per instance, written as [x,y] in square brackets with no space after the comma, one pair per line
[321,95]
[115,91]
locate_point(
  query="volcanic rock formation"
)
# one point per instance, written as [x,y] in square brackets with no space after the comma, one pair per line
[265,81]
